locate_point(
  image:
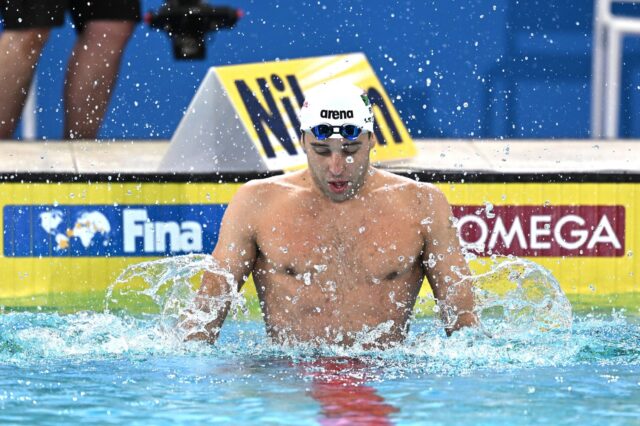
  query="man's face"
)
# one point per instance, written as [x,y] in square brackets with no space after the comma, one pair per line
[338,166]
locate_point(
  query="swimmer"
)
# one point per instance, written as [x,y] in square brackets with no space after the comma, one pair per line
[341,248]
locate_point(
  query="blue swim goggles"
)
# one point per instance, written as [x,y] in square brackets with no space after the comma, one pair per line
[325,131]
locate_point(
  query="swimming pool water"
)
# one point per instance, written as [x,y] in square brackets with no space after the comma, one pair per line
[101,368]
[531,362]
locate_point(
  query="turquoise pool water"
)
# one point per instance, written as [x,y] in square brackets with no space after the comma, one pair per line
[541,365]
[105,369]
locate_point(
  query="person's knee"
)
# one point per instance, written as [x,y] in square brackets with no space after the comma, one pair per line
[111,34]
[26,41]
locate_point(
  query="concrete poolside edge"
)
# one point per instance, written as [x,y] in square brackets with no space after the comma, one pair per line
[474,156]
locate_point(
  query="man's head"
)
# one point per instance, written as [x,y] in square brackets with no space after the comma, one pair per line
[336,121]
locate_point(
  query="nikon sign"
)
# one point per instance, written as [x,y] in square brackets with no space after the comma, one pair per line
[245,117]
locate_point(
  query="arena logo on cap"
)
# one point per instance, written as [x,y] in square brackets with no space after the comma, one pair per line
[110,230]
[547,231]
[336,115]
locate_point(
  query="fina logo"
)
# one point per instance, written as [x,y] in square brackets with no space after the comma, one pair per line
[182,237]
[335,114]
[86,227]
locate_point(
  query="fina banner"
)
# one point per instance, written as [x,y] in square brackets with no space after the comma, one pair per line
[245,117]
[108,230]
[64,244]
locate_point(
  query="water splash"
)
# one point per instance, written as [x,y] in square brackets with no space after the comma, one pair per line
[519,304]
[168,287]
[520,297]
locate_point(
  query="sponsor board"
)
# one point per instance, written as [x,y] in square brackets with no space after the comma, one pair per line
[542,231]
[63,239]
[109,230]
[268,97]
[252,109]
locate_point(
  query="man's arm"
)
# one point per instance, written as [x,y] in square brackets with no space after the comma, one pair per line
[235,252]
[444,263]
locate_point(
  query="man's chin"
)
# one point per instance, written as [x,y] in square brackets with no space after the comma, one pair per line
[339,196]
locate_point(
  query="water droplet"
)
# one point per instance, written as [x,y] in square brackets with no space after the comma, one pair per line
[361,229]
[349,160]
[320,268]
[331,286]
[284,249]
[488,210]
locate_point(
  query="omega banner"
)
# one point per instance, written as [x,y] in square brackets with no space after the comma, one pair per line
[543,231]
[64,244]
[245,117]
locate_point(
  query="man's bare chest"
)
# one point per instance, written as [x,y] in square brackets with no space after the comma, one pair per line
[358,246]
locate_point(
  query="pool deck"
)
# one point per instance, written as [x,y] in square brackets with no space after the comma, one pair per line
[512,156]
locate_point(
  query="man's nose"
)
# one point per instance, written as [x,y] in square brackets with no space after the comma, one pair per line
[336,164]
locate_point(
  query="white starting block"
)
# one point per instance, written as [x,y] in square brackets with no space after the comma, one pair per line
[245,117]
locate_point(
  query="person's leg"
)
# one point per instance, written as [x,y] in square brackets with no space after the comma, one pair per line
[91,75]
[19,54]
[27,24]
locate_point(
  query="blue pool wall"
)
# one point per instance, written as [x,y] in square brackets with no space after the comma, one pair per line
[454,68]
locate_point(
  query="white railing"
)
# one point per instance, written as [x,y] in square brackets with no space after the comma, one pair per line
[609,31]
[30,113]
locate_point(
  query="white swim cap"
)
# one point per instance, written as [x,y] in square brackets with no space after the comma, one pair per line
[336,103]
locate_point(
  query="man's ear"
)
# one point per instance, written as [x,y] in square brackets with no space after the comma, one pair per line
[373,140]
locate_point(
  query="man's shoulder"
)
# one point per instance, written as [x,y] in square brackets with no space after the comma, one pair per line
[417,198]
[388,180]
[261,190]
